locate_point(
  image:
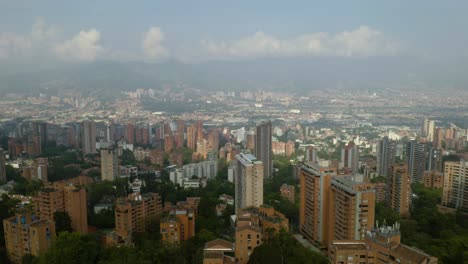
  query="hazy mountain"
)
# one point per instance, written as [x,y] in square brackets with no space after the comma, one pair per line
[267,74]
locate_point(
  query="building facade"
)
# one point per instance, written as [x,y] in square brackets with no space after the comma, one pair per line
[248,181]
[109,165]
[455,189]
[399,190]
[263,147]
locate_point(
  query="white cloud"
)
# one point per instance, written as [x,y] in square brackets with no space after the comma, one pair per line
[43,42]
[361,42]
[82,47]
[153,44]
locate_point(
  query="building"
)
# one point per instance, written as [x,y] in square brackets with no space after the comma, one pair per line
[3,177]
[36,169]
[109,165]
[416,159]
[129,133]
[88,137]
[219,251]
[248,181]
[433,179]
[63,197]
[310,154]
[132,213]
[253,225]
[263,147]
[27,234]
[350,157]
[352,203]
[385,156]
[290,148]
[381,245]
[434,159]
[288,192]
[192,136]
[178,226]
[314,214]
[427,129]
[380,192]
[455,190]
[399,190]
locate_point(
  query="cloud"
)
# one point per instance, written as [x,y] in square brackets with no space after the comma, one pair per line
[43,42]
[82,47]
[152,44]
[361,42]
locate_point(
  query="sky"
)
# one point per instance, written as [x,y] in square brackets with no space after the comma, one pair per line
[196,31]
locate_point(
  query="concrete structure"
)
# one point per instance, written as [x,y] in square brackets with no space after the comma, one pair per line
[427,129]
[88,137]
[263,147]
[433,179]
[36,169]
[248,181]
[455,190]
[385,156]
[381,245]
[27,234]
[434,159]
[178,226]
[132,213]
[314,212]
[253,225]
[352,203]
[63,197]
[109,165]
[399,190]
[350,157]
[218,251]
[416,159]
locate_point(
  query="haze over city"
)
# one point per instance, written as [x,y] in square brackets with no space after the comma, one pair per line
[236,132]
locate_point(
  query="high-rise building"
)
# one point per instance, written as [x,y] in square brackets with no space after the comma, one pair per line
[385,156]
[88,137]
[3,177]
[314,209]
[310,154]
[263,147]
[433,179]
[129,133]
[381,245]
[439,137]
[290,147]
[192,136]
[352,203]
[427,130]
[434,159]
[200,135]
[350,157]
[416,159]
[26,234]
[132,213]
[213,140]
[63,197]
[248,182]
[455,190]
[399,190]
[109,165]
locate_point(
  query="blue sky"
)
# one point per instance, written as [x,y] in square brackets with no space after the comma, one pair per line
[205,30]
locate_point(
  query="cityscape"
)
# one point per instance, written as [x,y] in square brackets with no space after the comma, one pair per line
[339,148]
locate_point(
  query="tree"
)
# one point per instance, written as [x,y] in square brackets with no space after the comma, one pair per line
[385,214]
[128,158]
[62,222]
[72,248]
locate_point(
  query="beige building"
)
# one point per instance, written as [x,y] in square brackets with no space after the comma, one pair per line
[381,246]
[178,226]
[352,204]
[253,226]
[219,251]
[314,209]
[248,182]
[27,234]
[132,213]
[455,190]
[399,190]
[63,197]
[433,179]
[109,165]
